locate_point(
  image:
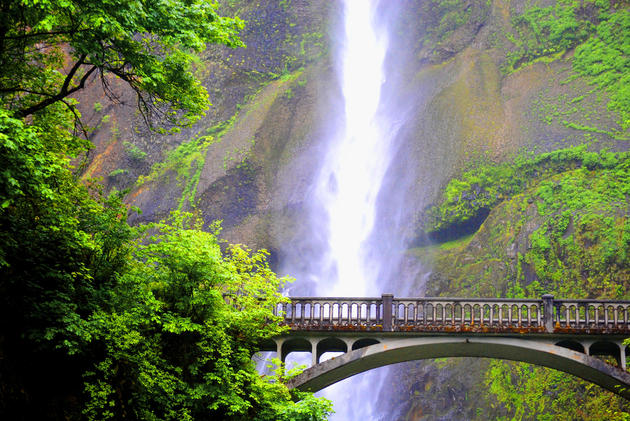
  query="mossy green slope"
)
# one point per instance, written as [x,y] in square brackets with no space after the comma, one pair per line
[564,231]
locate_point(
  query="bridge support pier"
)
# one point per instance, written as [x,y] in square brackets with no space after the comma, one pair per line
[314,356]
[279,353]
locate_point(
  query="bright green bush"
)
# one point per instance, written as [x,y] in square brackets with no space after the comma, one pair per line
[181,329]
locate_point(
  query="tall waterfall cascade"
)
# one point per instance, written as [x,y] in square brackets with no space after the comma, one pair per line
[355,165]
[349,182]
[342,252]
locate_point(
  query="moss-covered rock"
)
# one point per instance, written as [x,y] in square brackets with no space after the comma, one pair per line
[468,199]
[565,232]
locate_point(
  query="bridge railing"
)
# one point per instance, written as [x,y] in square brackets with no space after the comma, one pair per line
[453,313]
[591,314]
[387,313]
[312,312]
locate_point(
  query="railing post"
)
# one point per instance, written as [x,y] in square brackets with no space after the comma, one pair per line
[548,312]
[388,300]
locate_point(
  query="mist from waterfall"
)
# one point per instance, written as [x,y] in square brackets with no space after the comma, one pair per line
[353,170]
[349,182]
[343,253]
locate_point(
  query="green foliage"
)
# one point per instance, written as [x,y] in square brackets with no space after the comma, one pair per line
[482,188]
[590,129]
[142,325]
[312,41]
[577,201]
[183,349]
[117,172]
[99,320]
[547,31]
[452,15]
[605,58]
[134,152]
[601,38]
[443,17]
[150,46]
[565,232]
[187,161]
[61,247]
[521,391]
[581,248]
[46,214]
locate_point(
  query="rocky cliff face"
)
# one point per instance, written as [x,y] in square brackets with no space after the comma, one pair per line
[234,164]
[474,82]
[254,151]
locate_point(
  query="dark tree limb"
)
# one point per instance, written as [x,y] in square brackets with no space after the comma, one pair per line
[63,93]
[69,31]
[78,123]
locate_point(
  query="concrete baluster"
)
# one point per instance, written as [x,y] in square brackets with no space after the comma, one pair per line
[388,300]
[548,312]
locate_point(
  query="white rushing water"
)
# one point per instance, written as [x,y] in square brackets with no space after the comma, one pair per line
[355,165]
[340,251]
[346,242]
[348,185]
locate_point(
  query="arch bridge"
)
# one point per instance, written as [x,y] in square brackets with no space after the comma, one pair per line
[567,335]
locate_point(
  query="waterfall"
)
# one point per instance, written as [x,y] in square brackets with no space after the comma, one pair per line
[355,165]
[341,254]
[348,185]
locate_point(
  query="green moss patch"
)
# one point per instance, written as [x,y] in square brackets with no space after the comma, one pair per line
[582,247]
[605,58]
[562,227]
[599,30]
[566,233]
[546,31]
[468,199]
[187,161]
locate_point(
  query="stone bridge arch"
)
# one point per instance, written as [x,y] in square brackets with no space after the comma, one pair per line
[395,350]
[562,334]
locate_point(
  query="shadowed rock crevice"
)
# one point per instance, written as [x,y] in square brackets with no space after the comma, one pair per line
[457,230]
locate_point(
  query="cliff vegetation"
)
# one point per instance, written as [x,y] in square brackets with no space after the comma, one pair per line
[555,223]
[100,320]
